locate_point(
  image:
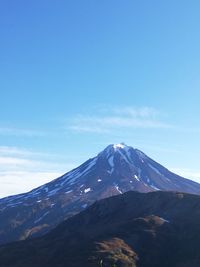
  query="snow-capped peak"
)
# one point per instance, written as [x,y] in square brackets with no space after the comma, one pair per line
[116,149]
[117,154]
[121,145]
[111,149]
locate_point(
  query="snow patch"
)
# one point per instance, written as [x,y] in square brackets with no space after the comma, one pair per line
[73,175]
[87,190]
[154,187]
[67,192]
[70,177]
[53,192]
[46,189]
[90,165]
[153,168]
[111,163]
[136,177]
[38,220]
[117,187]
[124,157]
[129,155]
[164,220]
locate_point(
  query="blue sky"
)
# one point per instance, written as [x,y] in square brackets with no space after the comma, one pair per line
[79,75]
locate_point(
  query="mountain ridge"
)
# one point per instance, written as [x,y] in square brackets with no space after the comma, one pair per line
[127,230]
[115,170]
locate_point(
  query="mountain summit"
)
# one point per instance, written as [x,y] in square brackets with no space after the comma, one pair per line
[130,168]
[115,170]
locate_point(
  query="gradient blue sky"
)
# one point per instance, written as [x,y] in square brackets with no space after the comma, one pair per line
[79,75]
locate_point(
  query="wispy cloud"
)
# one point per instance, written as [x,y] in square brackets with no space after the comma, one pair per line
[14,162]
[22,152]
[12,131]
[110,119]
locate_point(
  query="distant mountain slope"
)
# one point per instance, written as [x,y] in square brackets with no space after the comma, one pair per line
[117,169]
[130,230]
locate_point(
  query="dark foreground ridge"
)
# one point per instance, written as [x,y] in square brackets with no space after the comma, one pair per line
[130,230]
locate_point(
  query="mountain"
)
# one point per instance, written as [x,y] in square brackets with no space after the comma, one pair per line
[117,169]
[129,230]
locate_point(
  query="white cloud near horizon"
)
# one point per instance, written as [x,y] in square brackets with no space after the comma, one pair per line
[22,170]
[16,182]
[188,173]
[112,119]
